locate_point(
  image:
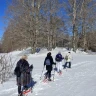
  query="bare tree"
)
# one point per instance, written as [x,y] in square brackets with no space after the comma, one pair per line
[31,18]
[5,67]
[79,15]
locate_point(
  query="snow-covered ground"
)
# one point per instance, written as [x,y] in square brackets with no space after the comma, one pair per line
[80,80]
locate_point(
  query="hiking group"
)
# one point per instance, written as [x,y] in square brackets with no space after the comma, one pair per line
[23,69]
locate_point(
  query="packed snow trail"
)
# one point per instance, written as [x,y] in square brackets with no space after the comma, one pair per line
[80,80]
[73,82]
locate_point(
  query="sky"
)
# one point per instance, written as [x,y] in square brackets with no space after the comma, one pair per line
[3,8]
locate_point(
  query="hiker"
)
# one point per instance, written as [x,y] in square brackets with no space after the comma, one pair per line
[68,58]
[48,63]
[59,59]
[23,75]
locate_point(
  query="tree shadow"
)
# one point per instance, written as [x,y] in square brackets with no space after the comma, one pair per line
[30,85]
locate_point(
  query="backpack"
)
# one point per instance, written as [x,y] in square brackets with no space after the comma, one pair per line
[66,57]
[47,62]
[58,57]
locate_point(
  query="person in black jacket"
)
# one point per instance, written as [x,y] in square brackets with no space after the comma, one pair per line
[48,62]
[22,72]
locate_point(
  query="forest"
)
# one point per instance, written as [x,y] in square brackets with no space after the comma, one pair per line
[49,24]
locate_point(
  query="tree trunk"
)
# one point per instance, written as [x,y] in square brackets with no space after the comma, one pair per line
[74,27]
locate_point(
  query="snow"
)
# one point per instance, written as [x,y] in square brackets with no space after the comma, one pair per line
[80,80]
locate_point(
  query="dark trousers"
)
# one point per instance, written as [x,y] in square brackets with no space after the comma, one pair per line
[48,74]
[66,65]
[19,89]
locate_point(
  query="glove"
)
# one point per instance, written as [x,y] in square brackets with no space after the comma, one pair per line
[31,67]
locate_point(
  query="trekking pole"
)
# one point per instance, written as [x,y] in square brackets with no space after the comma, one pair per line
[54,73]
[42,73]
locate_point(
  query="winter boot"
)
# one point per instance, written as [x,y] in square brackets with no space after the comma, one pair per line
[60,72]
[25,87]
[49,79]
[20,94]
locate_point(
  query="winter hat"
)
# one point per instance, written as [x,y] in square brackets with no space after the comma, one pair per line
[49,54]
[24,57]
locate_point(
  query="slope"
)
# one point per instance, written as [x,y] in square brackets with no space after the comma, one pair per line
[77,81]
